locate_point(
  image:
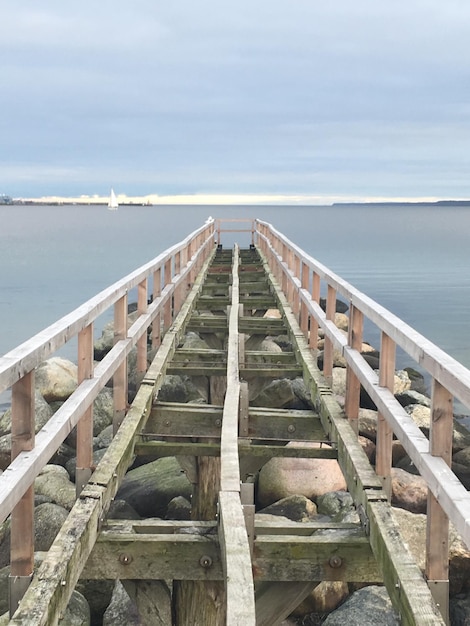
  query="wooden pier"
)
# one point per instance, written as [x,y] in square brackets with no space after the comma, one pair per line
[226,566]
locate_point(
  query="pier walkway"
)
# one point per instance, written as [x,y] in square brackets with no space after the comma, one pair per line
[224,565]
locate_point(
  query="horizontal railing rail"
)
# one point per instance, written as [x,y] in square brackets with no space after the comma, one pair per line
[303,279]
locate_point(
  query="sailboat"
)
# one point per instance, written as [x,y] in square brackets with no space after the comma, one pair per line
[113,203]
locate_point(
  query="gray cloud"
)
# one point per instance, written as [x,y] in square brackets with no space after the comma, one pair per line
[331,98]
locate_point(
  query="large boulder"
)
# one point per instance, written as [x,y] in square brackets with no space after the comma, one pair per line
[54,483]
[121,611]
[103,410]
[56,379]
[183,389]
[150,487]
[409,491]
[296,508]
[422,417]
[48,520]
[42,414]
[283,477]
[413,531]
[368,606]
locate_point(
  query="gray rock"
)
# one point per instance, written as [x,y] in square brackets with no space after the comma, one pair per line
[104,438]
[296,508]
[119,509]
[42,414]
[71,464]
[179,508]
[409,396]
[98,594]
[278,394]
[149,488]
[121,611]
[459,610]
[77,612]
[335,504]
[56,379]
[103,411]
[54,483]
[48,519]
[368,606]
[180,389]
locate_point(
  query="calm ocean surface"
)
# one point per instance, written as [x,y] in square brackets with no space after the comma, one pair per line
[414,260]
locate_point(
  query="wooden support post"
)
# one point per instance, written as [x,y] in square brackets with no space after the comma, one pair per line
[156,326]
[437,530]
[247,497]
[313,336]
[85,424]
[120,376]
[303,308]
[296,298]
[328,350]
[167,314]
[22,516]
[383,465]
[142,295]
[353,386]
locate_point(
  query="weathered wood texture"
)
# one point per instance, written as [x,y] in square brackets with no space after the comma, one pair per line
[52,585]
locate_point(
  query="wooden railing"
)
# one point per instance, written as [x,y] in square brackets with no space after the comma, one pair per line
[303,279]
[167,279]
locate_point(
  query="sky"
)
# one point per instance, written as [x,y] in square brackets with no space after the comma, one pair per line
[306,100]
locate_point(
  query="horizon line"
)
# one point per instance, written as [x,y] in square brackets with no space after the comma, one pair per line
[234,199]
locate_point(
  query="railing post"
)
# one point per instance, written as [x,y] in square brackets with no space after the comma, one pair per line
[120,376]
[328,349]
[353,386]
[142,296]
[303,307]
[22,516]
[296,299]
[85,424]
[168,306]
[437,529]
[313,337]
[156,326]
[383,464]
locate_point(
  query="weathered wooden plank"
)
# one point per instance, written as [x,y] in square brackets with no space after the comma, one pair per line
[230,470]
[131,556]
[296,450]
[236,561]
[326,555]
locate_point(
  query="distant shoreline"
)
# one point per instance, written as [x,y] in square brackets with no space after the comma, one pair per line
[395,203]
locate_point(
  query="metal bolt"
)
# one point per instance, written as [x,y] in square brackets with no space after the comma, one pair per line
[125,559]
[335,561]
[291,428]
[218,422]
[205,561]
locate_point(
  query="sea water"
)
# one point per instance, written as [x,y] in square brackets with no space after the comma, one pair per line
[412,259]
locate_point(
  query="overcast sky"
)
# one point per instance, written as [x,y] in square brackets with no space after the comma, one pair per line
[317,99]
